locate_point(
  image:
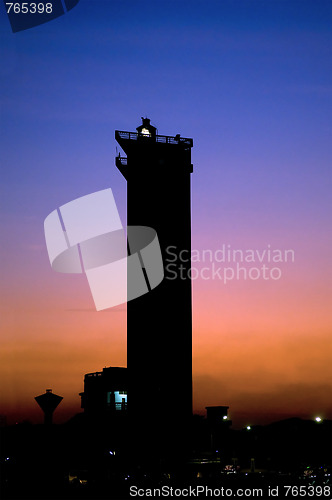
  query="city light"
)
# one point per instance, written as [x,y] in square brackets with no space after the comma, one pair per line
[318,419]
[248,428]
[224,417]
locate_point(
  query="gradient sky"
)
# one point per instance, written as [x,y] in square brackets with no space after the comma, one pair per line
[250,81]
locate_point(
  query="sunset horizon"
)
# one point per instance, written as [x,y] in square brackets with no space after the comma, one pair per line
[252,86]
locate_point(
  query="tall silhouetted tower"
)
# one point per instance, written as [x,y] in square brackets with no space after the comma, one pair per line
[159,324]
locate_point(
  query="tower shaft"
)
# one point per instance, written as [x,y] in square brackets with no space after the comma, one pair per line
[159,323]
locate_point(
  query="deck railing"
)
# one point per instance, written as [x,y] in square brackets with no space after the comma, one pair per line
[165,139]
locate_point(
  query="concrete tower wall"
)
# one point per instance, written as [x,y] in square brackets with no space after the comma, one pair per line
[159,323]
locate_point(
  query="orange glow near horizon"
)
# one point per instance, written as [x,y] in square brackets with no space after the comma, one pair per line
[260,347]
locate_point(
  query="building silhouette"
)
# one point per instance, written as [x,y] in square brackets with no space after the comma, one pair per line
[105,392]
[159,324]
[217,414]
[48,403]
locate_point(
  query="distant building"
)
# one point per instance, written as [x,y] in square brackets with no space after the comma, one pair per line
[216,414]
[105,392]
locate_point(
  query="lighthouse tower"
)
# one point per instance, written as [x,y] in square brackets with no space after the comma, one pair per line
[159,324]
